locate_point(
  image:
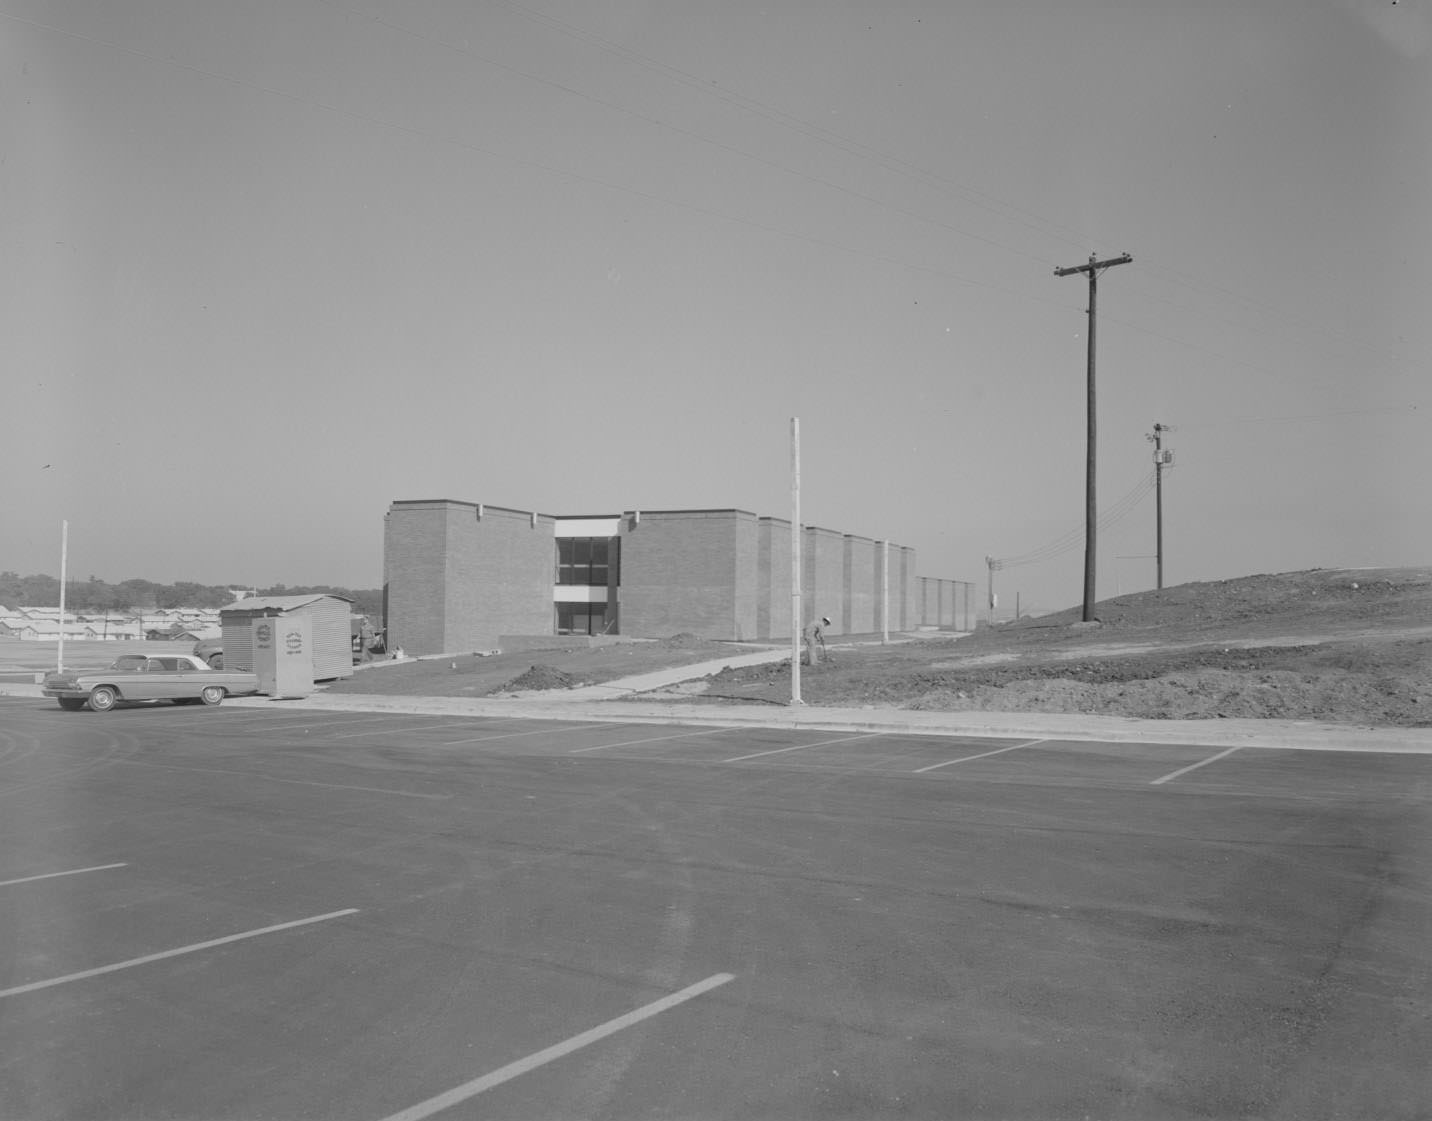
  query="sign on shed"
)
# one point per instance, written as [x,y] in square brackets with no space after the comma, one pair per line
[331,644]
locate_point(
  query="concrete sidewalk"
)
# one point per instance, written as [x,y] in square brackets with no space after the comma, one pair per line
[625,701]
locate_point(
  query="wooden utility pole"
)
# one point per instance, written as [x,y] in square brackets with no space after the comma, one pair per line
[991,563]
[1162,459]
[1091,507]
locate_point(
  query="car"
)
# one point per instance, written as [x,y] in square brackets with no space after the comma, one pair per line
[210,650]
[181,678]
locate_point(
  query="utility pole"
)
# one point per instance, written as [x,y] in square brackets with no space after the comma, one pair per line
[796,561]
[1091,508]
[1162,459]
[992,564]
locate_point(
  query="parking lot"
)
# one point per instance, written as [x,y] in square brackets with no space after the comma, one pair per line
[259,912]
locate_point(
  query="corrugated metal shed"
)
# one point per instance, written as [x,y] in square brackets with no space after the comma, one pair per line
[332,640]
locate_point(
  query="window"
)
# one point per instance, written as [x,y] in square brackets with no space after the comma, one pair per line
[581,618]
[586,560]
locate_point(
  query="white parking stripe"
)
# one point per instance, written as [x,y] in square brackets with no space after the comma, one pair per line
[649,739]
[802,747]
[52,875]
[34,985]
[540,1058]
[544,731]
[1193,767]
[289,781]
[982,755]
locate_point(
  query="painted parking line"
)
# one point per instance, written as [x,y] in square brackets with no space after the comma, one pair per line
[802,747]
[543,731]
[556,1051]
[982,755]
[405,729]
[1193,767]
[70,872]
[648,739]
[195,948]
[289,781]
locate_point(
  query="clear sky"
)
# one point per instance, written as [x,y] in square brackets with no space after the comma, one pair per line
[269,265]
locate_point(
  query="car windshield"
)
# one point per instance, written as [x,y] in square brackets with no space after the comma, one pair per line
[129,661]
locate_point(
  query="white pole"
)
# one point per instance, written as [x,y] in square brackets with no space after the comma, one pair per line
[64,562]
[796,561]
[885,595]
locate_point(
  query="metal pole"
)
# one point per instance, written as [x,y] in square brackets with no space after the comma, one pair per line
[64,564]
[885,594]
[795,561]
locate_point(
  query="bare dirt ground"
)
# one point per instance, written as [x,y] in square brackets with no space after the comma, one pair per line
[1349,646]
[559,667]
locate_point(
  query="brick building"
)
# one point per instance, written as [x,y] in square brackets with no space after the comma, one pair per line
[461,576]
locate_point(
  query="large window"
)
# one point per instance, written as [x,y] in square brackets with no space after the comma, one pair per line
[587,560]
[581,618]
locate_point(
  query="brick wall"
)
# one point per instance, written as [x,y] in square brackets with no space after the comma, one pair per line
[500,572]
[858,609]
[456,581]
[690,571]
[902,562]
[773,578]
[414,575]
[823,577]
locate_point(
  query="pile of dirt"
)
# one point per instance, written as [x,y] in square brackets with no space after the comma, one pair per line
[1350,646]
[683,641]
[540,679]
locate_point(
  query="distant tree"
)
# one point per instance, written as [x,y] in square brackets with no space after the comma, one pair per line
[144,595]
[137,595]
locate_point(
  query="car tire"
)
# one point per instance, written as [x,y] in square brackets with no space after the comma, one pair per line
[216,661]
[71,704]
[212,694]
[102,698]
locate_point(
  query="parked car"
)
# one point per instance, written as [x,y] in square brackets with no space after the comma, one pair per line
[210,651]
[181,678]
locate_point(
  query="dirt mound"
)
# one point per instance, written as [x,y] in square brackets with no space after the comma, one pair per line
[1350,646]
[682,641]
[541,678]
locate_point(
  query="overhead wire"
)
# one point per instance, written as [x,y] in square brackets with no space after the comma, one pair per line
[1074,538]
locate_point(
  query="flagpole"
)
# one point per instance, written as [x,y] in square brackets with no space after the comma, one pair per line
[64,562]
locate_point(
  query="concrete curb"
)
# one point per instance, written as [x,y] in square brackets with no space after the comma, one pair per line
[1273,734]
[618,702]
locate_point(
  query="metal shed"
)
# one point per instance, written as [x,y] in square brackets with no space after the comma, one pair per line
[328,615]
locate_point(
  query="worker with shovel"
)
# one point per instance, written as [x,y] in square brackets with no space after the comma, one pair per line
[815,639]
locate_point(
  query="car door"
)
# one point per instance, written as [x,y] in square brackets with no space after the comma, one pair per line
[143,682]
[181,678]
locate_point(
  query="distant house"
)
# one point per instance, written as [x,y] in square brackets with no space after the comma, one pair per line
[199,633]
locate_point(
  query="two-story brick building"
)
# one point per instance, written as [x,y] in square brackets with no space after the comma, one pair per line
[460,575]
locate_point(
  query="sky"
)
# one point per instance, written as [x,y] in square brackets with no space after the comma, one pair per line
[271,265]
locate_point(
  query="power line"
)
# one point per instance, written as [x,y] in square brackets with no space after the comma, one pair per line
[1116,513]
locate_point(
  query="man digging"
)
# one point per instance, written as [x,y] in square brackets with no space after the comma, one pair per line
[815,640]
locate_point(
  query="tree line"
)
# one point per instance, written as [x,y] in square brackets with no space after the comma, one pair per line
[95,595]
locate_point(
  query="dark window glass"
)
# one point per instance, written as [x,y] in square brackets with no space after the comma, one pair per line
[585,560]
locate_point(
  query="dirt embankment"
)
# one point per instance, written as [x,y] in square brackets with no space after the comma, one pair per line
[1351,646]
